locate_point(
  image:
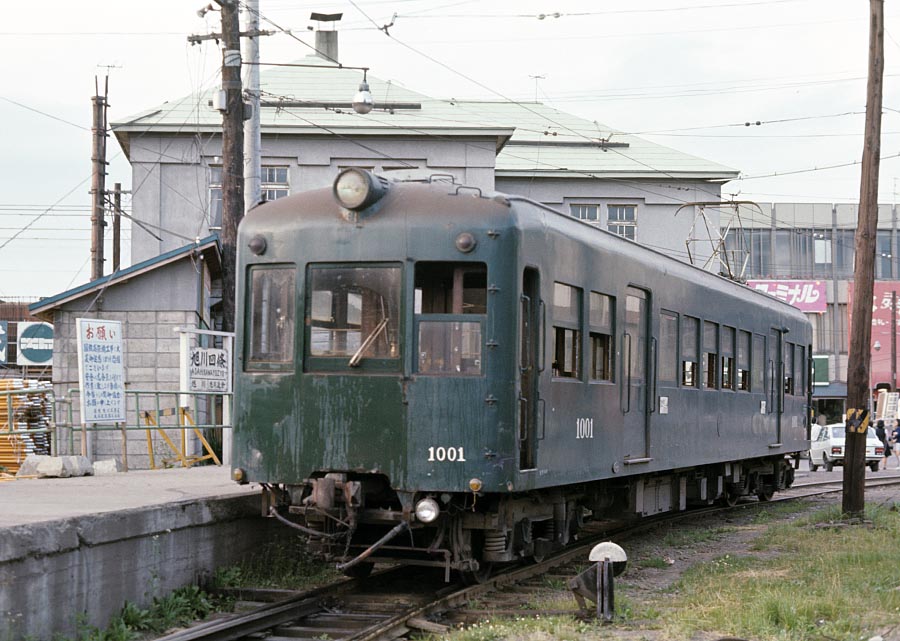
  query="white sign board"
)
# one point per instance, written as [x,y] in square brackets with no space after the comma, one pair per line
[35,344]
[101,370]
[209,370]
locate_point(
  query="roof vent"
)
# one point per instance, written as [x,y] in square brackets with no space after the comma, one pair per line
[326,41]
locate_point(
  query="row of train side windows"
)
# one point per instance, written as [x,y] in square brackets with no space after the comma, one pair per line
[450,308]
[697,353]
[567,314]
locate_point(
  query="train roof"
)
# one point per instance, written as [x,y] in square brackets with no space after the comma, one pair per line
[320,207]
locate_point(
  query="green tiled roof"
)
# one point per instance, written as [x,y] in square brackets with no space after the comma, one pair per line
[544,141]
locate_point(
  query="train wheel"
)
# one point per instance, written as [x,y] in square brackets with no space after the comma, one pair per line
[359,571]
[765,493]
[479,576]
[730,497]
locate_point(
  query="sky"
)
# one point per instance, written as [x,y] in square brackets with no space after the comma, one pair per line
[687,74]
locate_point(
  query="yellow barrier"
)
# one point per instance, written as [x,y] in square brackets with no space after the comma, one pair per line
[184,419]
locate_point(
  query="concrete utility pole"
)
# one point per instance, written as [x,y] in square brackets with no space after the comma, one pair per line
[117,226]
[98,177]
[232,155]
[864,276]
[252,143]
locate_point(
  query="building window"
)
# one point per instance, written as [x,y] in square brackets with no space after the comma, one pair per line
[588,213]
[622,220]
[215,198]
[602,312]
[822,253]
[883,256]
[566,330]
[274,185]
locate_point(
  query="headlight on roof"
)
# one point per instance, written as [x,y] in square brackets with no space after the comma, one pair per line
[357,188]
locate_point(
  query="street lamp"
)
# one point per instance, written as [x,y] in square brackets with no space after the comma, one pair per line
[363,101]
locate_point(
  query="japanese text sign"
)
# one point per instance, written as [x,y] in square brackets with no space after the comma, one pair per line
[209,370]
[101,370]
[805,295]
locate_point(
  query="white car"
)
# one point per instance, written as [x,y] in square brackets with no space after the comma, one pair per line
[827,447]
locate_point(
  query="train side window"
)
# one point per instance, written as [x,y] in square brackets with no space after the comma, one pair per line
[788,368]
[566,331]
[690,370]
[758,365]
[799,370]
[727,357]
[450,306]
[668,348]
[600,319]
[743,361]
[710,354]
[272,299]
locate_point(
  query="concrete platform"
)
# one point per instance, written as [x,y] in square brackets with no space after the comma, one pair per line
[84,546]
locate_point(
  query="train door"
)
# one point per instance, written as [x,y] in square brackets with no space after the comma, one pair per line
[776,380]
[636,399]
[531,351]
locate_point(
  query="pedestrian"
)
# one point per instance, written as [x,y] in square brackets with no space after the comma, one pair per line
[883,437]
[895,441]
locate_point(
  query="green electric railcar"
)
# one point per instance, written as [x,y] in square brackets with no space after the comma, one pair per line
[445,377]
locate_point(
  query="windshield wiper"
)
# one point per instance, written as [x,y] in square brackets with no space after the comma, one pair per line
[357,356]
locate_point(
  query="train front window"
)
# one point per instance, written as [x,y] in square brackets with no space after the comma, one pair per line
[271,317]
[450,307]
[353,314]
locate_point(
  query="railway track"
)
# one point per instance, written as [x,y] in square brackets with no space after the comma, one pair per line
[394,602]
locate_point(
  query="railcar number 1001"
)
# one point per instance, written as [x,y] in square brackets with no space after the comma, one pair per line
[584,428]
[454,454]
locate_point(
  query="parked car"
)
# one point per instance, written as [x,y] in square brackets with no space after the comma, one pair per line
[827,447]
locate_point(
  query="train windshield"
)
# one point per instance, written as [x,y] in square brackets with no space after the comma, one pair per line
[271,330]
[354,313]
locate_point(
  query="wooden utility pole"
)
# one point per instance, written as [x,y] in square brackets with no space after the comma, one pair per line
[232,155]
[98,177]
[858,367]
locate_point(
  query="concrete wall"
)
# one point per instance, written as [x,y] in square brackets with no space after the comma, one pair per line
[662,224]
[52,572]
[171,176]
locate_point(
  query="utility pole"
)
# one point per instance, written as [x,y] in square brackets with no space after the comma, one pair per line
[252,142]
[98,177]
[117,226]
[853,503]
[232,155]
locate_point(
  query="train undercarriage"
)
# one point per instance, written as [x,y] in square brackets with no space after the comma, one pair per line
[359,520]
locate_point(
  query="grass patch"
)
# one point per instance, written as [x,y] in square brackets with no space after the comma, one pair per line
[280,564]
[828,580]
[657,562]
[526,629]
[178,609]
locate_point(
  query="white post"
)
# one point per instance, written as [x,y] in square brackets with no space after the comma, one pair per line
[252,143]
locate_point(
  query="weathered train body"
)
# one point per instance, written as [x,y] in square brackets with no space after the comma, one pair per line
[433,374]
